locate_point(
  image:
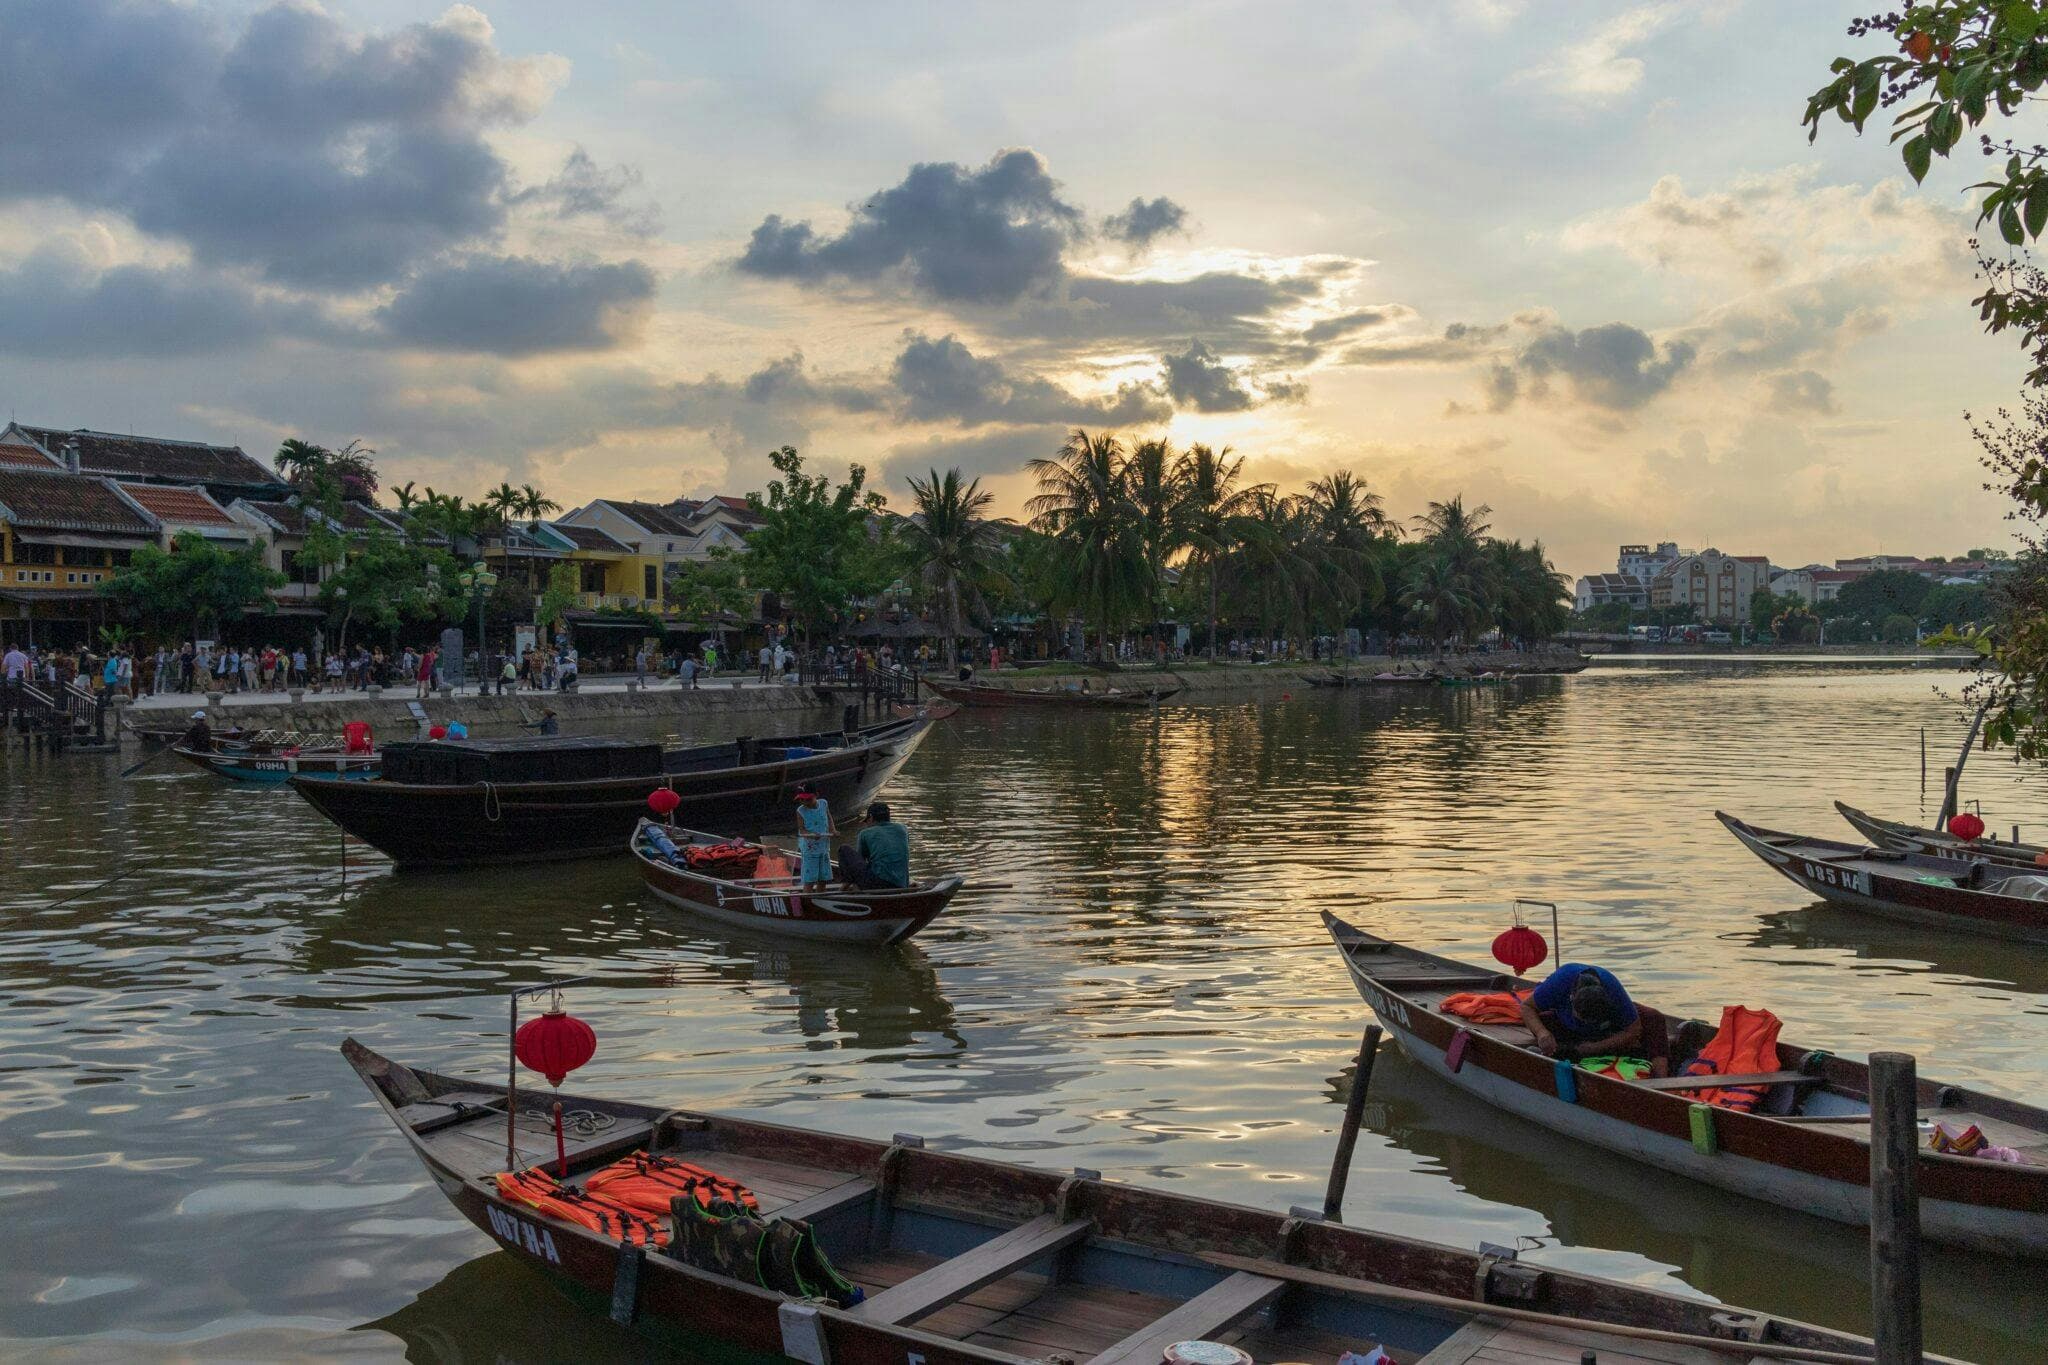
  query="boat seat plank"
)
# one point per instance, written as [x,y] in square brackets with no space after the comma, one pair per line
[1237,1295]
[1716,1082]
[827,1202]
[1534,1344]
[1464,1345]
[885,1269]
[1001,1255]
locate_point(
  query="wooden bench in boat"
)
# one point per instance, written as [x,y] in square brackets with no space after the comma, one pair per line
[1489,1341]
[1000,1256]
[1716,1082]
[1202,1318]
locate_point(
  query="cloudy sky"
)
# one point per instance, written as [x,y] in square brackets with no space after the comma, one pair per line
[1575,261]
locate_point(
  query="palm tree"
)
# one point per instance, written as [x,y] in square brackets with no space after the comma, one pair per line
[1216,516]
[1350,530]
[1274,557]
[1153,481]
[501,502]
[405,496]
[949,541]
[301,462]
[534,504]
[1442,597]
[1530,595]
[1084,506]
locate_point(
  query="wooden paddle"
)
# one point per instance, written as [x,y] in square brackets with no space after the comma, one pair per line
[135,768]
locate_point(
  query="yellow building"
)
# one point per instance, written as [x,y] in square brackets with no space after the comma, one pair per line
[61,535]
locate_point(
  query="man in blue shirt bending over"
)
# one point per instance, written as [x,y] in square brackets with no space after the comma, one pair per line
[1581,1011]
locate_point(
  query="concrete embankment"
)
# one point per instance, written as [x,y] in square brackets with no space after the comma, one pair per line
[1249,680]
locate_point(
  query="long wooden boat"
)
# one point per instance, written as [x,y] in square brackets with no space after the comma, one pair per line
[981,694]
[1977,895]
[1935,843]
[279,766]
[777,905]
[1806,1146]
[965,1261]
[466,804]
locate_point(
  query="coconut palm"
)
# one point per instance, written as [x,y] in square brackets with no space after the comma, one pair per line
[406,496]
[1083,504]
[1443,597]
[1216,516]
[1350,531]
[949,542]
[1153,482]
[301,462]
[534,504]
[1530,596]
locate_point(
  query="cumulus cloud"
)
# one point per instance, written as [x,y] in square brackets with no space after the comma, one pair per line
[1337,328]
[56,305]
[1146,220]
[1600,67]
[1197,378]
[1799,391]
[941,380]
[516,305]
[979,456]
[988,235]
[308,152]
[1614,366]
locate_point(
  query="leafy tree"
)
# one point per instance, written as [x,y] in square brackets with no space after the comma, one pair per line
[1885,592]
[1217,517]
[317,471]
[557,599]
[949,542]
[1766,607]
[1608,618]
[1950,605]
[1796,625]
[709,590]
[195,583]
[817,545]
[1898,629]
[385,582]
[1084,504]
[1531,599]
[1444,596]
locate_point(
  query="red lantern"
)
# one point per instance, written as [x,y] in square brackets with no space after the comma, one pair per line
[1521,948]
[555,1044]
[1966,826]
[663,800]
[438,732]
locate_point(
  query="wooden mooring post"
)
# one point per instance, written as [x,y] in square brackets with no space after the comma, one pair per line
[1895,1208]
[1354,1112]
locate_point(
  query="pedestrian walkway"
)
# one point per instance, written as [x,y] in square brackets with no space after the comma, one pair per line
[587,686]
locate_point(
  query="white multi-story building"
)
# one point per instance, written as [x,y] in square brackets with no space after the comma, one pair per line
[1717,586]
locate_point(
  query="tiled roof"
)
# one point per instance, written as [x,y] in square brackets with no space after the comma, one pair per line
[652,517]
[591,538]
[289,517]
[25,457]
[56,501]
[151,457]
[359,516]
[181,506]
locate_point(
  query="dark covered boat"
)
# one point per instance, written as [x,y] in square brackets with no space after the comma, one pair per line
[1805,1145]
[460,803]
[959,1259]
[981,694]
[776,904]
[1935,843]
[1978,895]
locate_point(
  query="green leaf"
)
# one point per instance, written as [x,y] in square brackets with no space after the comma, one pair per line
[2022,20]
[1917,157]
[1866,102]
[2009,225]
[2037,208]
[1944,126]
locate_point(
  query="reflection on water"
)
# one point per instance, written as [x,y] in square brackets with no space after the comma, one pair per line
[1154,998]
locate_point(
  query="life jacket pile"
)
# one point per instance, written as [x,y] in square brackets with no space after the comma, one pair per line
[646,1183]
[538,1190]
[722,860]
[1746,1043]
[1486,1007]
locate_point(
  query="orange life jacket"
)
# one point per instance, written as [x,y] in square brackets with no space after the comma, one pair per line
[538,1190]
[1746,1043]
[1483,1007]
[646,1183]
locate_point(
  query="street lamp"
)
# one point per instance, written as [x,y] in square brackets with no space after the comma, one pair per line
[478,579]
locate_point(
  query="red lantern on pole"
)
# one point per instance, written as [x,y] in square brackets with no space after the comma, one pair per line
[663,801]
[555,1043]
[1520,948]
[1966,826]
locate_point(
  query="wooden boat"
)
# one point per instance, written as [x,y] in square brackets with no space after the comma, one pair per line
[980,694]
[1935,843]
[1807,1145]
[473,802]
[1329,679]
[1977,895]
[778,905]
[965,1261]
[275,767]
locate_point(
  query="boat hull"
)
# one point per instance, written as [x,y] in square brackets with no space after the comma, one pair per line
[419,825]
[834,914]
[1934,844]
[969,694]
[275,770]
[1854,883]
[1982,1205]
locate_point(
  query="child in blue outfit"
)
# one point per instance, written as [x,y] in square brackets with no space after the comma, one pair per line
[814,837]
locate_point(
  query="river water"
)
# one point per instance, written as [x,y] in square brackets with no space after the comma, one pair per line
[188,1169]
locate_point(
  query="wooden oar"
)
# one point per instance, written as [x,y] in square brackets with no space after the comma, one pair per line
[1373,1289]
[135,768]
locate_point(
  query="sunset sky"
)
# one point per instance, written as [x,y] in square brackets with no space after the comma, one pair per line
[1575,261]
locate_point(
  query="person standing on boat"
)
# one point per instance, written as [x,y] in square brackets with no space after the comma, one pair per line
[814,837]
[1581,1011]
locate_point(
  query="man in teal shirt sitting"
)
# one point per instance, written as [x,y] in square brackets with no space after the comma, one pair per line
[880,857]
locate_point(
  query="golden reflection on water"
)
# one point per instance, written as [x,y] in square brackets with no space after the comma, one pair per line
[1154,998]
